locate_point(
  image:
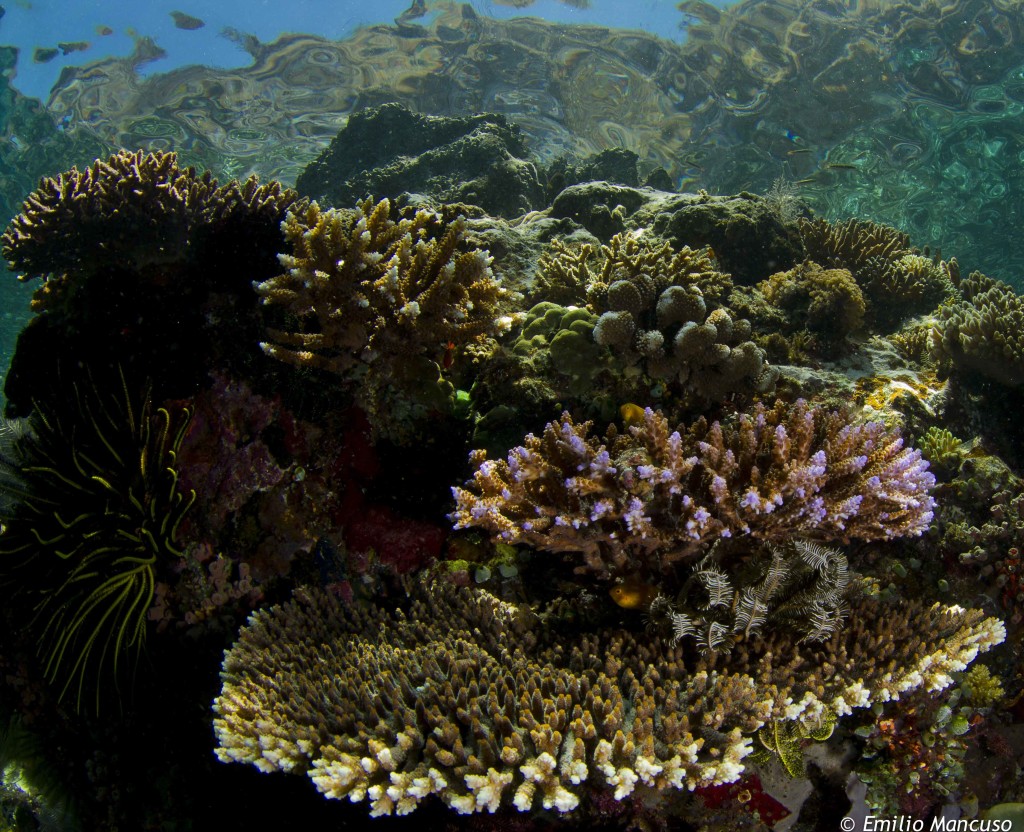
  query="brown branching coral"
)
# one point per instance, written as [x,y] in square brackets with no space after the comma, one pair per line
[853,244]
[984,331]
[362,290]
[650,496]
[134,211]
[471,699]
[896,280]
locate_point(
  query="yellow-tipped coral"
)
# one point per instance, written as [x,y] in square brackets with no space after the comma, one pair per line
[361,290]
[469,699]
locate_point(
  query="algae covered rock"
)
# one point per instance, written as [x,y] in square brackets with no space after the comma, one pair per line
[390,150]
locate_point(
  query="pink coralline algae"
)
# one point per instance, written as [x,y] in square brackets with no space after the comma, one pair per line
[651,495]
[223,457]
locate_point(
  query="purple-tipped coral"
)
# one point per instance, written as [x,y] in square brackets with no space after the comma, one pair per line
[651,496]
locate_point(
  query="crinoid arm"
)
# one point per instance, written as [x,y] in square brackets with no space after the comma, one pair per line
[92,505]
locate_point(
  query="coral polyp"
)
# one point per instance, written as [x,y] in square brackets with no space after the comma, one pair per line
[90,503]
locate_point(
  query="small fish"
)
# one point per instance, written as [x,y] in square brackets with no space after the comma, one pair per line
[632,414]
[187,21]
[798,150]
[449,356]
[634,593]
[842,166]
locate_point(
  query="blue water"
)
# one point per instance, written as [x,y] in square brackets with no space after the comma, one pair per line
[44,23]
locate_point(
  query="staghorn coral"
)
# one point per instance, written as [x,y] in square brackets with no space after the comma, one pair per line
[361,290]
[135,211]
[983,332]
[471,699]
[651,496]
[90,514]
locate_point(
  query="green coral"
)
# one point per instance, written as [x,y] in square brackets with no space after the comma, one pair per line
[566,334]
[943,450]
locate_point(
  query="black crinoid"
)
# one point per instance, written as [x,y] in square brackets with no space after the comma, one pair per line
[90,506]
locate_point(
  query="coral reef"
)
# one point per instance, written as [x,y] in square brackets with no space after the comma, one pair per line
[467,698]
[983,331]
[661,310]
[916,749]
[650,496]
[897,281]
[363,291]
[145,265]
[90,510]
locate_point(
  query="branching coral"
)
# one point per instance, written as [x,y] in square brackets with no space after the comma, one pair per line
[984,331]
[91,504]
[651,496]
[362,291]
[897,281]
[468,698]
[133,211]
[579,274]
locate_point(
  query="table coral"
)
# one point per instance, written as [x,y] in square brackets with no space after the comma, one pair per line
[650,496]
[468,698]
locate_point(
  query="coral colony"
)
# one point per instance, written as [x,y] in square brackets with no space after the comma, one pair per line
[686,555]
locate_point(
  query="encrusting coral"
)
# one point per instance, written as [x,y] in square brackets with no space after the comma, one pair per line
[361,290]
[650,496]
[983,332]
[471,699]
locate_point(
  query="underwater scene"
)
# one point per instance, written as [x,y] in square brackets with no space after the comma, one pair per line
[512,415]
